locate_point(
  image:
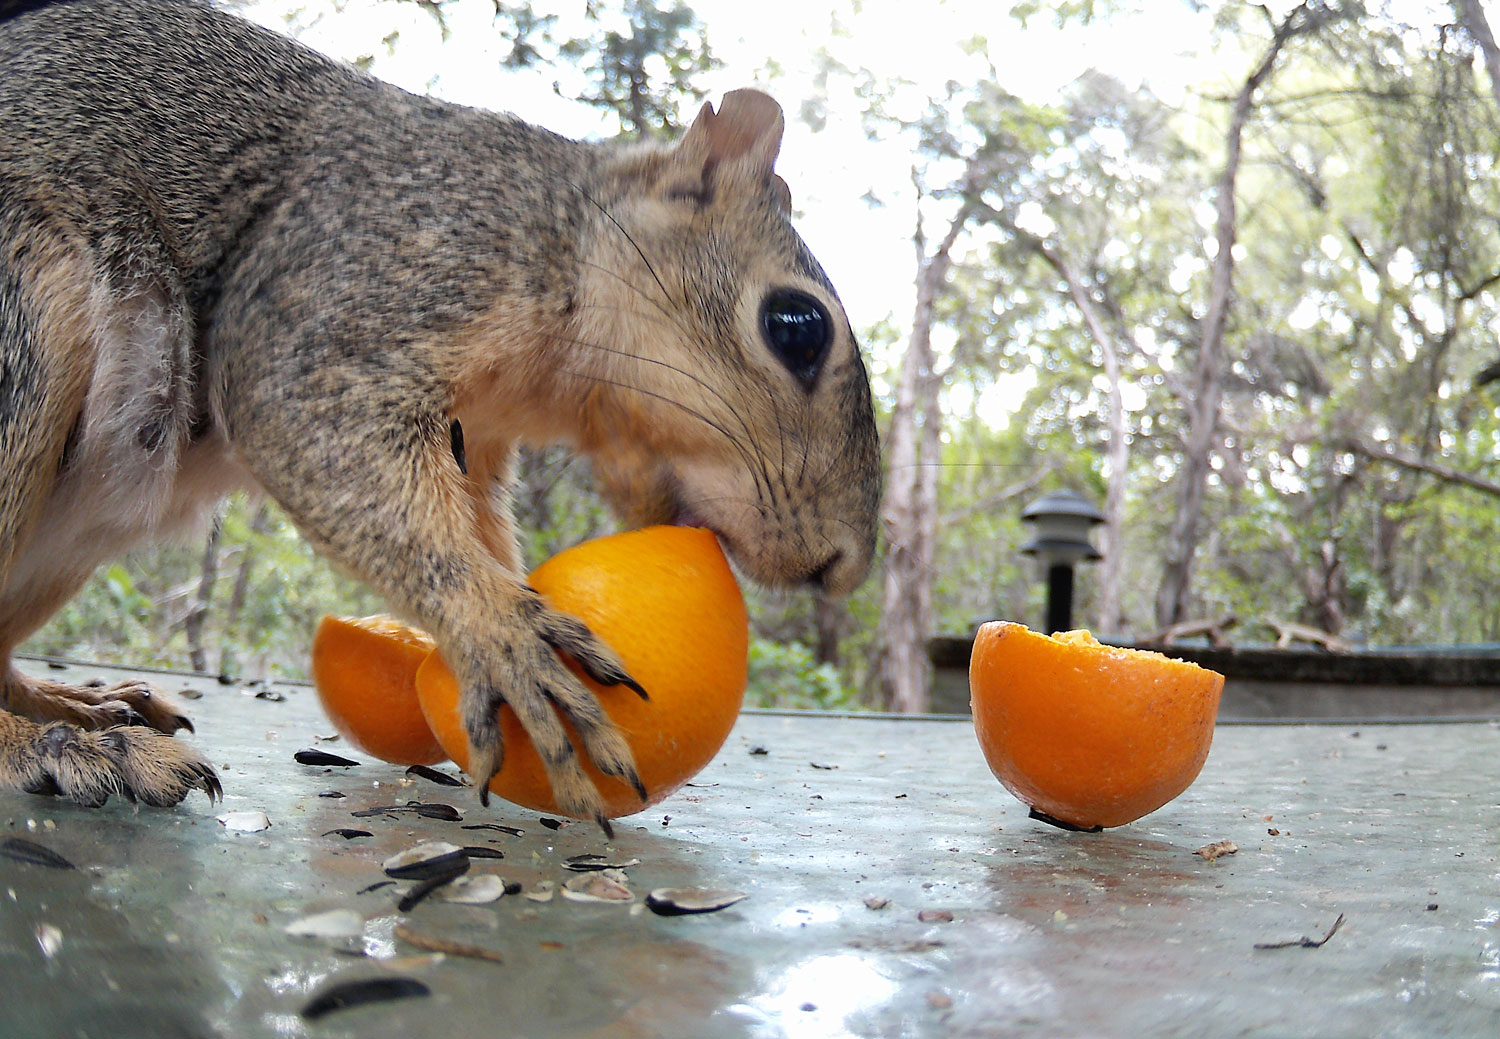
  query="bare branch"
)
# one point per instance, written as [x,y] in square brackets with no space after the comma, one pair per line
[1381,453]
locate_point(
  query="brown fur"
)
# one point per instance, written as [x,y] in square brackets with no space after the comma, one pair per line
[227,261]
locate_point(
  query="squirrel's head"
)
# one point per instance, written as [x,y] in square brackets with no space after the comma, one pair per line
[726,388]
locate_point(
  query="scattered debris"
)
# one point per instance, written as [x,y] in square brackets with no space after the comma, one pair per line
[1217,848]
[335,923]
[274,695]
[758,750]
[448,948]
[455,869]
[375,886]
[479,851]
[542,892]
[252,821]
[877,902]
[313,756]
[550,823]
[935,916]
[426,809]
[889,945]
[607,885]
[680,901]
[349,833]
[433,775]
[819,764]
[332,793]
[49,938]
[591,862]
[514,831]
[1305,942]
[20,849]
[344,994]
[430,858]
[476,890]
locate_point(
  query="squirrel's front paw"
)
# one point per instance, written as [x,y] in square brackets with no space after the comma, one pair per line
[526,673]
[134,762]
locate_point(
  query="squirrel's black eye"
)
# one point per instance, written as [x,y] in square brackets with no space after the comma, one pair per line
[798,331]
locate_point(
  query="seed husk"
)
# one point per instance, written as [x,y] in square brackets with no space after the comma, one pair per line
[433,775]
[344,994]
[476,890]
[514,831]
[20,849]
[427,886]
[593,862]
[313,756]
[245,822]
[479,851]
[349,833]
[426,809]
[430,858]
[680,901]
[603,886]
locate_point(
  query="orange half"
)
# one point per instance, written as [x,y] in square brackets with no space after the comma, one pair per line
[1089,735]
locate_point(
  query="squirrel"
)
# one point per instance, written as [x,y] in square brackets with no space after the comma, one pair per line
[227,261]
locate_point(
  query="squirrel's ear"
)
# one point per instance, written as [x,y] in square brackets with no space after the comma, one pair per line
[746,130]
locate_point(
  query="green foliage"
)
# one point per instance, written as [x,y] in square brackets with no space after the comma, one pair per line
[787,675]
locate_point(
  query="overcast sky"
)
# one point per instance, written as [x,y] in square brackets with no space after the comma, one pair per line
[867,251]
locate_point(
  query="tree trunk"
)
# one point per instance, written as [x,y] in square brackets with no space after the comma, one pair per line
[194,621]
[1206,387]
[909,513]
[258,525]
[1110,617]
[828,622]
[1471,14]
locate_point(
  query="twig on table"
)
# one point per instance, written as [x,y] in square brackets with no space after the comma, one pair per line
[1304,942]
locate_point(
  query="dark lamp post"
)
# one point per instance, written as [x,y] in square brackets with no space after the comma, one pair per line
[1063,521]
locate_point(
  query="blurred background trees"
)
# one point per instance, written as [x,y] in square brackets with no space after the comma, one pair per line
[1255,320]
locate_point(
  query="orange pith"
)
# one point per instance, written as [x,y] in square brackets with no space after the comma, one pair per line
[666,601]
[364,670]
[1090,735]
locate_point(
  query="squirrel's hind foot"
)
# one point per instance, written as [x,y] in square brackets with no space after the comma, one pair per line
[133,762]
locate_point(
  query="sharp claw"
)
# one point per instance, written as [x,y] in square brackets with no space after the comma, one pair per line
[184,722]
[603,821]
[209,783]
